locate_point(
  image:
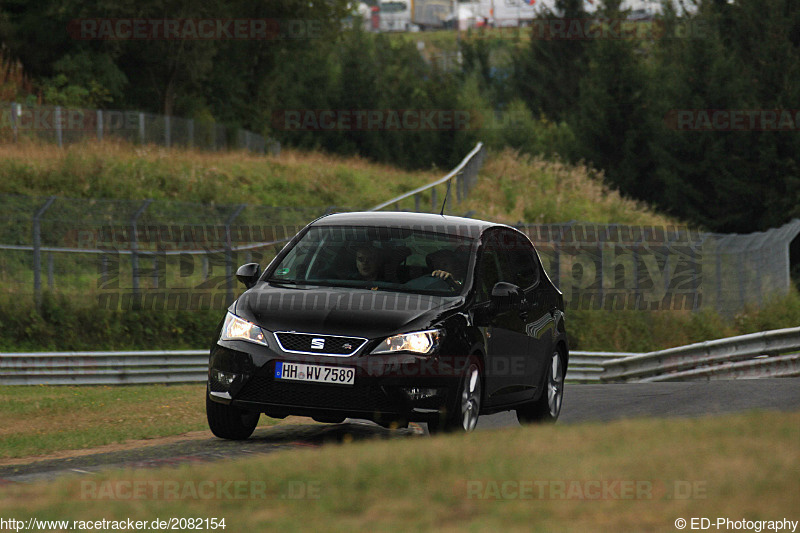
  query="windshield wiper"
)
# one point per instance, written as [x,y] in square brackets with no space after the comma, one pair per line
[279,280]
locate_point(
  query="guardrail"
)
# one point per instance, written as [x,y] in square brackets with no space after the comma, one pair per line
[465,176]
[766,354]
[103,368]
[587,367]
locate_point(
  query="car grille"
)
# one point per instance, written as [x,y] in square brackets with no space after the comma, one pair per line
[268,390]
[331,344]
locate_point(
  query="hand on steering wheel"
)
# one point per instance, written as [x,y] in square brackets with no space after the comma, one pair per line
[448,277]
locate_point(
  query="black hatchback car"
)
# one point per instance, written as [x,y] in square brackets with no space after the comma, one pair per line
[391,317]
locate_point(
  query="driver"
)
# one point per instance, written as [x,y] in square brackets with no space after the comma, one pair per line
[445,266]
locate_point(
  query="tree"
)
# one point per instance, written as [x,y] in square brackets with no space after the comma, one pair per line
[739,180]
[548,75]
[614,117]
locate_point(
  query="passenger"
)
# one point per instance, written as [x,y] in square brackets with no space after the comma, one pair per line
[368,263]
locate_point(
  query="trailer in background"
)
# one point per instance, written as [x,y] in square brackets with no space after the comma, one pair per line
[432,14]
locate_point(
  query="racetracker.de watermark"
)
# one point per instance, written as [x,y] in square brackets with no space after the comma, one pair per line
[733,119]
[208,489]
[581,489]
[68,119]
[193,29]
[375,120]
[406,120]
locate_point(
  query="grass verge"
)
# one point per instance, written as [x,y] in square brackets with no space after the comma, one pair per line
[740,466]
[39,420]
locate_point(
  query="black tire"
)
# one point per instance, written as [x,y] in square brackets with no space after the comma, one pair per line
[547,408]
[463,416]
[229,422]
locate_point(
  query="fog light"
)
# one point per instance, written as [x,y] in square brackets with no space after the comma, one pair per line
[221,381]
[415,393]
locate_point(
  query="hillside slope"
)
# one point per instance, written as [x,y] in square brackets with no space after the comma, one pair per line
[511,187]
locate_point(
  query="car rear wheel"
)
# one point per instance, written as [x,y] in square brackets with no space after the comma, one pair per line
[464,416]
[548,406]
[229,422]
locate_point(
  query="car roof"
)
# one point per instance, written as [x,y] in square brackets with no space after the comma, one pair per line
[422,221]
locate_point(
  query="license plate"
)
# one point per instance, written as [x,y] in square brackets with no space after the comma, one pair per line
[315,373]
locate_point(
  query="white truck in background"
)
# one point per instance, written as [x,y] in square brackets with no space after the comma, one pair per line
[395,15]
[506,13]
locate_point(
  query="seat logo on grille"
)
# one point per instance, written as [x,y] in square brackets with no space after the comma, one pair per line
[318,344]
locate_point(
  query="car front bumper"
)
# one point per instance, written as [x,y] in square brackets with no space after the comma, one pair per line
[386,387]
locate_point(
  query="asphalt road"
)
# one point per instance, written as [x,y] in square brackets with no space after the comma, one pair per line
[582,403]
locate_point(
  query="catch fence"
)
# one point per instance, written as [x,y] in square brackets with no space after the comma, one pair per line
[175,255]
[63,125]
[613,266]
[158,254]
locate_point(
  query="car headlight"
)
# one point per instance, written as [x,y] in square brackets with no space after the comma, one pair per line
[423,342]
[239,329]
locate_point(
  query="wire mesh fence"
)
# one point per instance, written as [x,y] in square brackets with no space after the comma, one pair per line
[62,126]
[158,254]
[607,266]
[177,255]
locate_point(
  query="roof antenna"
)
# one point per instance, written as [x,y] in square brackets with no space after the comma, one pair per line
[449,182]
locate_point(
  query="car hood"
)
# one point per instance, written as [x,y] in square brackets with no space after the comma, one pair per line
[342,311]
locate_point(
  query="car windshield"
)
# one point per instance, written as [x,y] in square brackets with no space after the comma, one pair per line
[378,258]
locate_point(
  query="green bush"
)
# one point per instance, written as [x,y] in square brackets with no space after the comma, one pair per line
[64,325]
[644,331]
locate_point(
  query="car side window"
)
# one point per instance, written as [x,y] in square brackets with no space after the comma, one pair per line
[518,262]
[489,272]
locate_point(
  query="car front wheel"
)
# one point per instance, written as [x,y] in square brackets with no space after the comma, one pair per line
[548,406]
[229,422]
[464,417]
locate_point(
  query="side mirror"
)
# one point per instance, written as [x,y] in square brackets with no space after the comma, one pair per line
[248,274]
[505,296]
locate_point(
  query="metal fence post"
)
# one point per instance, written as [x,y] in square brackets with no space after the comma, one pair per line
[14,119]
[740,279]
[141,128]
[135,246]
[637,294]
[59,137]
[229,253]
[99,124]
[37,252]
[719,277]
[50,281]
[557,258]
[155,270]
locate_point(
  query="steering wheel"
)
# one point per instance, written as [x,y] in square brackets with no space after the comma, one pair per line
[448,278]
